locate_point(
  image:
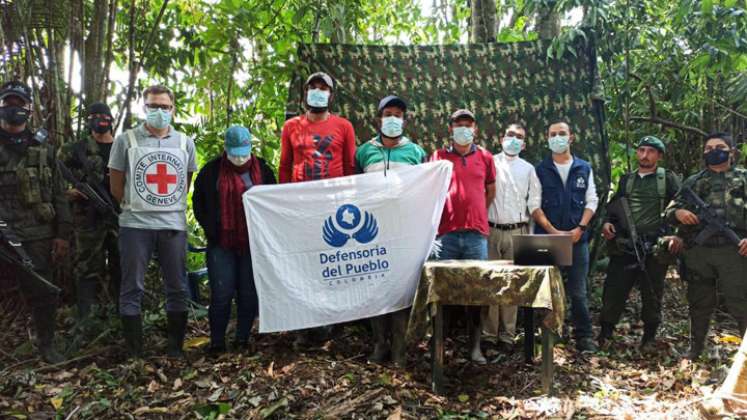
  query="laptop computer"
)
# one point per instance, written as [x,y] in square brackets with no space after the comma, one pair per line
[543,250]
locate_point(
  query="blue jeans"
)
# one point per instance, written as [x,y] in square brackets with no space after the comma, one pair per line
[463,245]
[575,288]
[229,275]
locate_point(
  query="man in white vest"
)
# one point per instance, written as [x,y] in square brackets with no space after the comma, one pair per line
[151,169]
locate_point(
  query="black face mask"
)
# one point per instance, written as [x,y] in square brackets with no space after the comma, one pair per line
[15,115]
[716,157]
[100,125]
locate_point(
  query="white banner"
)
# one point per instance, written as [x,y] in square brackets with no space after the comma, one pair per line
[341,249]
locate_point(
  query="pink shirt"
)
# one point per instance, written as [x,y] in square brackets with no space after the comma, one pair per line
[465,207]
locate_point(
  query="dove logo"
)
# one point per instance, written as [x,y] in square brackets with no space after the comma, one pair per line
[348,222]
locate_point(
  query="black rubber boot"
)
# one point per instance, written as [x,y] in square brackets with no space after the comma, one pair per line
[44,321]
[648,341]
[381,344]
[698,334]
[605,334]
[399,330]
[132,330]
[177,327]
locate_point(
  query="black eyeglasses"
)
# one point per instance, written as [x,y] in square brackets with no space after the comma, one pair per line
[158,106]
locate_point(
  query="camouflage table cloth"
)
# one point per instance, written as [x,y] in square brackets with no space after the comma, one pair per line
[473,282]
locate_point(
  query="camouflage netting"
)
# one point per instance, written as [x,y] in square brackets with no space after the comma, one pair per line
[499,82]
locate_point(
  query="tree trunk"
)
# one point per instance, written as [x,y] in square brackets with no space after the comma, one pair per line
[548,22]
[93,82]
[483,21]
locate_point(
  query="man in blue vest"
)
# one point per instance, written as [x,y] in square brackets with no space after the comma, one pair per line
[569,200]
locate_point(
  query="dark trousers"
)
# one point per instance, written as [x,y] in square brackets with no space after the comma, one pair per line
[622,276]
[230,275]
[575,288]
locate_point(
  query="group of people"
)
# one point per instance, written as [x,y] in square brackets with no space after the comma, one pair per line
[147,172]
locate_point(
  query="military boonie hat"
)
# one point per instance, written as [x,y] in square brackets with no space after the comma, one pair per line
[392,100]
[15,88]
[459,113]
[324,77]
[238,141]
[654,142]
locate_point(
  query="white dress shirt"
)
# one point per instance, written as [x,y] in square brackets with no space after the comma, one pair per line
[518,190]
[592,201]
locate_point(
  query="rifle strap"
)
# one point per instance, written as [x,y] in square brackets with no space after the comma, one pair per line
[10,238]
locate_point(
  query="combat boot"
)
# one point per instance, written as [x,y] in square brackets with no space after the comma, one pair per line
[648,341]
[381,345]
[132,330]
[698,334]
[44,322]
[399,331]
[605,334]
[176,329]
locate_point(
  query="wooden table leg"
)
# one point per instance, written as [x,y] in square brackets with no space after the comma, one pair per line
[547,360]
[528,335]
[437,350]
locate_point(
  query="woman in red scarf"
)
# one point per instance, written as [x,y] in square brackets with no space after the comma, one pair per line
[219,210]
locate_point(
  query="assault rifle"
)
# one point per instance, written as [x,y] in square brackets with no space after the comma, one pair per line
[12,252]
[98,198]
[714,224]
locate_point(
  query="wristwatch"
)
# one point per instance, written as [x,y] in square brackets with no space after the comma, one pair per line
[583,227]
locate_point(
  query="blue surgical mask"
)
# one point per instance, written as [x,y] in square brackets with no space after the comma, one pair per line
[317,98]
[392,126]
[559,144]
[512,145]
[157,118]
[463,135]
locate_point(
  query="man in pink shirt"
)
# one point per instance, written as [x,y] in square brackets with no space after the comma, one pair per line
[464,230]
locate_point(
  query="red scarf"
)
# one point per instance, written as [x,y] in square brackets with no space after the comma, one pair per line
[233,234]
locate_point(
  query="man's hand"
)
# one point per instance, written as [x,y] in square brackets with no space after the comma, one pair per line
[743,247]
[576,234]
[686,217]
[674,244]
[74,194]
[608,231]
[60,248]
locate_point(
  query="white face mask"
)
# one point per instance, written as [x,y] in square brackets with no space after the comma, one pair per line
[392,126]
[559,144]
[317,98]
[238,160]
[463,135]
[512,145]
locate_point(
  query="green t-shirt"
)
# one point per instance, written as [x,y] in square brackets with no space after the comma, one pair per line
[372,156]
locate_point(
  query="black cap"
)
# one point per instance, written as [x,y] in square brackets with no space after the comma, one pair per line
[99,108]
[15,88]
[324,77]
[459,113]
[392,100]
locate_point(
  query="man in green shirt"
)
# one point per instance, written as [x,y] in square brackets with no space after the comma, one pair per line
[388,150]
[647,191]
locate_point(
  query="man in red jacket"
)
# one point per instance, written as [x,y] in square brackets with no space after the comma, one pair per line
[317,144]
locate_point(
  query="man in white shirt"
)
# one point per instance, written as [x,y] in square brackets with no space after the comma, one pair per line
[519,195]
[569,200]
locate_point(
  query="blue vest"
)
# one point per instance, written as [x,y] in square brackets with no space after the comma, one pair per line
[564,204]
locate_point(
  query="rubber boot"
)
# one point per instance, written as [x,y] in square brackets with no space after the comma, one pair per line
[177,327]
[399,331]
[648,341]
[132,330]
[475,334]
[698,334]
[605,334]
[381,345]
[44,321]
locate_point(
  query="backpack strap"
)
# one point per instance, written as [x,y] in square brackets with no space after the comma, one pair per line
[133,139]
[661,187]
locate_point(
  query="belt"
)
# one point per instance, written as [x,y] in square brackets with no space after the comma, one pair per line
[510,226]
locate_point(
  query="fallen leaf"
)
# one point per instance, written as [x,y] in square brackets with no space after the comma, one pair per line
[63,375]
[196,342]
[267,412]
[153,387]
[396,414]
[463,398]
[730,339]
[270,369]
[255,400]
[56,402]
[177,384]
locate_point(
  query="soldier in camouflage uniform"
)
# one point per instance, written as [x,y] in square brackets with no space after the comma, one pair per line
[717,266]
[33,204]
[647,190]
[97,254]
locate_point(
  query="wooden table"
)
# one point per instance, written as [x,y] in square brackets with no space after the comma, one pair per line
[485,283]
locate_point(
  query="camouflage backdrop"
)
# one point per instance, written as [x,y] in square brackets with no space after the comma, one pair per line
[499,82]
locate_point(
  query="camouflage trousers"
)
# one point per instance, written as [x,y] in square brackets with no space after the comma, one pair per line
[712,271]
[622,276]
[96,261]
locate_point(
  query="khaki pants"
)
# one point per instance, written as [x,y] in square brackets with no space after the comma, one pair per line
[501,320]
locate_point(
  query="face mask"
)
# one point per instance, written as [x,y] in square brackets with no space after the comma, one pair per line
[15,115]
[392,126]
[100,125]
[158,118]
[559,144]
[512,145]
[716,157]
[317,98]
[238,160]
[463,135]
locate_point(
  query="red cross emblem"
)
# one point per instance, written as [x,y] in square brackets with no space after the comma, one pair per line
[161,178]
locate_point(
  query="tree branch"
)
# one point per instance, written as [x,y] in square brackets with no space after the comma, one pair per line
[671,124]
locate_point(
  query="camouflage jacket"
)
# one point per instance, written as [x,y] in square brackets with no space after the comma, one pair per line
[725,192]
[84,160]
[32,198]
